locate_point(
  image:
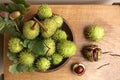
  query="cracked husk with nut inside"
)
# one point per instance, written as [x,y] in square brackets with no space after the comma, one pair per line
[92,52]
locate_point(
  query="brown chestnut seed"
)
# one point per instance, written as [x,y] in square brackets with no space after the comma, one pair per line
[95,54]
[79,69]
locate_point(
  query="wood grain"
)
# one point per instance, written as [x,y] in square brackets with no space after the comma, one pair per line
[78,17]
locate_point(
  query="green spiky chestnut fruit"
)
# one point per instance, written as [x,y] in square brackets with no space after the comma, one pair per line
[50,46]
[66,48]
[59,35]
[44,11]
[26,58]
[43,64]
[58,19]
[56,58]
[95,33]
[31,29]
[51,28]
[15,45]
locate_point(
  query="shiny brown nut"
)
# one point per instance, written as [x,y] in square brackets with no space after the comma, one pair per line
[14,15]
[79,69]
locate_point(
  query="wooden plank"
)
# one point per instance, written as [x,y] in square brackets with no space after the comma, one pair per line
[78,17]
[1,53]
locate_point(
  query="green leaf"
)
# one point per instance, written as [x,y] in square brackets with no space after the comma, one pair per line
[31,44]
[13,57]
[8,26]
[13,69]
[19,20]
[17,7]
[50,59]
[12,7]
[2,24]
[17,68]
[22,8]
[11,31]
[19,23]
[21,2]
[3,7]
[26,42]
[38,48]
[1,18]
[32,68]
[21,68]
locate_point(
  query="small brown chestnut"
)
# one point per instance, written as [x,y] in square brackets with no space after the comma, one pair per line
[79,69]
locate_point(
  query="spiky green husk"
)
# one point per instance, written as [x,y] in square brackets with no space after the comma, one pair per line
[26,58]
[95,33]
[15,45]
[43,64]
[57,59]
[59,35]
[51,44]
[29,32]
[58,19]
[51,26]
[44,11]
[66,48]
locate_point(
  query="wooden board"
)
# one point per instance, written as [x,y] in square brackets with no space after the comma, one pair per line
[78,17]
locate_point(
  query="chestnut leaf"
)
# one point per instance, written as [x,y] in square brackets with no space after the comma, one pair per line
[13,69]
[21,2]
[17,5]
[8,26]
[17,68]
[13,57]
[32,68]
[38,48]
[21,68]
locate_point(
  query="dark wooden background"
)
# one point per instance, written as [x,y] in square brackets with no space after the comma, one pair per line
[1,53]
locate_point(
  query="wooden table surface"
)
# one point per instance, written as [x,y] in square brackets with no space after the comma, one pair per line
[78,17]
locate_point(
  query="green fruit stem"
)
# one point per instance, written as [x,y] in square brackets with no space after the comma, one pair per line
[43,27]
